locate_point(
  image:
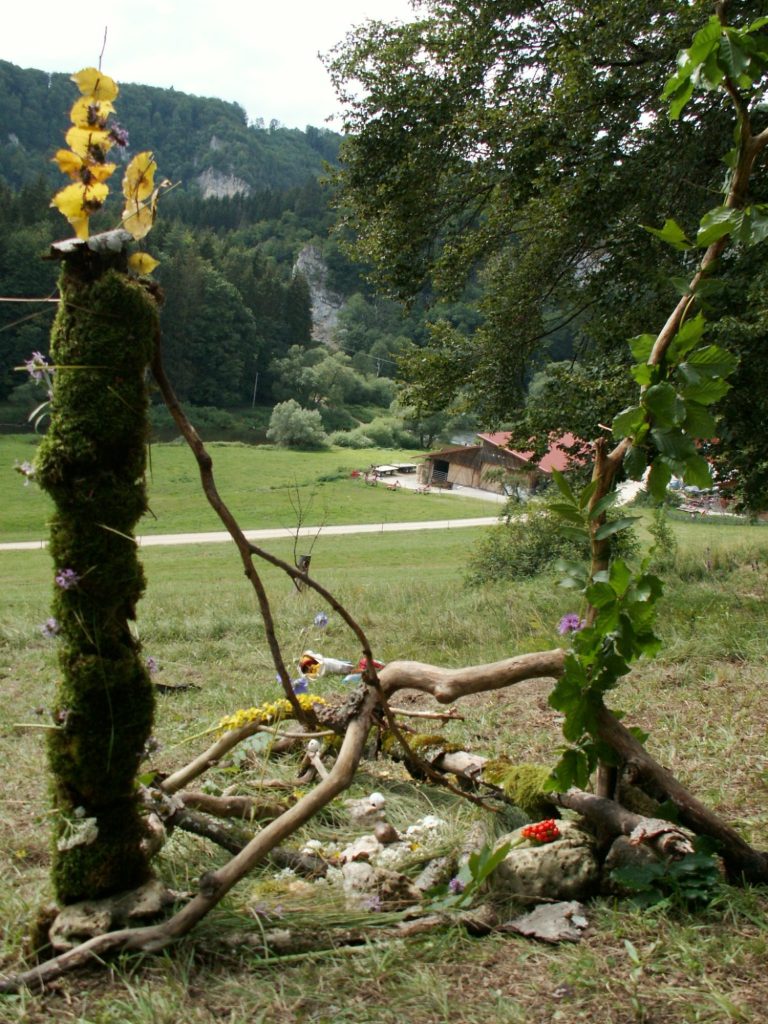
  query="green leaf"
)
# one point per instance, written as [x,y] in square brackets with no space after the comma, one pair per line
[574,570]
[586,493]
[577,533]
[716,223]
[697,472]
[672,233]
[600,595]
[563,486]
[620,576]
[706,392]
[664,405]
[658,479]
[714,360]
[568,512]
[732,55]
[687,338]
[635,462]
[699,421]
[644,374]
[603,504]
[674,443]
[758,224]
[615,526]
[641,346]
[628,421]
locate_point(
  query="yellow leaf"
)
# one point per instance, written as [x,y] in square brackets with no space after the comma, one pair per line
[100,172]
[138,219]
[83,140]
[139,177]
[92,82]
[69,163]
[142,263]
[89,113]
[78,201]
[69,200]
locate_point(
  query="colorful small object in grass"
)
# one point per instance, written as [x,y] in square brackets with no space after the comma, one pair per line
[456,886]
[300,685]
[363,664]
[542,832]
[321,620]
[570,623]
[310,665]
[66,579]
[152,665]
[50,629]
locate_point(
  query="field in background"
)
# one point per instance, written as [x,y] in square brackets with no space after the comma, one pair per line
[703,700]
[263,486]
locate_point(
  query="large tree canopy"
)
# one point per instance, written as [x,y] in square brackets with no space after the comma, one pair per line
[526,142]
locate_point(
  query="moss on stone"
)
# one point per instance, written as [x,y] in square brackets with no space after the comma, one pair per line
[522,783]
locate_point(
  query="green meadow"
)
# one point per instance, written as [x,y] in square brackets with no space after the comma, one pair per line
[264,487]
[703,701]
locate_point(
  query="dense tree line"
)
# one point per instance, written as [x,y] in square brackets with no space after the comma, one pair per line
[527,143]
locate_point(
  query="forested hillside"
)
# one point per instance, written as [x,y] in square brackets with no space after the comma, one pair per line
[246,201]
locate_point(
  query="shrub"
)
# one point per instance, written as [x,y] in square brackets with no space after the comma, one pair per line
[290,426]
[351,439]
[530,544]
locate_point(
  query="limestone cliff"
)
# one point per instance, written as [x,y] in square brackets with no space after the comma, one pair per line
[326,304]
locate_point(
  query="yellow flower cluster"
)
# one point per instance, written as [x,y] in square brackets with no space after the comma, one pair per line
[268,712]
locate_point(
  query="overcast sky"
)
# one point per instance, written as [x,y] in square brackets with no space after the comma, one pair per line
[260,53]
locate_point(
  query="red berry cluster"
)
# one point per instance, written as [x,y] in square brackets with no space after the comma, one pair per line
[542,832]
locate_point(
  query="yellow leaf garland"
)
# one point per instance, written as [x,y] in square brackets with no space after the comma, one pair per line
[85,162]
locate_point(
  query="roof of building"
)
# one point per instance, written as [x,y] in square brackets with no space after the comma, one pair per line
[554,458]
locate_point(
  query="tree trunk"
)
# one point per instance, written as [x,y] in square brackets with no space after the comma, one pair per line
[92,463]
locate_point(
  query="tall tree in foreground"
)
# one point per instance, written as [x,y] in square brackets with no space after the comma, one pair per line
[92,463]
[528,142]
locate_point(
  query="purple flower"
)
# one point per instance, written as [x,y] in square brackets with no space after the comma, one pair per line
[66,579]
[50,628]
[456,886]
[152,665]
[118,135]
[300,685]
[372,903]
[37,366]
[321,620]
[27,470]
[570,623]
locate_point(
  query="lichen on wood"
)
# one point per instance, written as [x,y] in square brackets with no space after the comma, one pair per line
[92,463]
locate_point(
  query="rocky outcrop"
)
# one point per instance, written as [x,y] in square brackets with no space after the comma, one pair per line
[216,185]
[326,304]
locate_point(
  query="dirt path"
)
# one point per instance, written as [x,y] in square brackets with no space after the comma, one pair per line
[280,533]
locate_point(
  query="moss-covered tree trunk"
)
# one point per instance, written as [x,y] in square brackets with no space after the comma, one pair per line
[92,463]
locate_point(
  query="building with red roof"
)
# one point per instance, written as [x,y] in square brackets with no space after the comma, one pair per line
[492,465]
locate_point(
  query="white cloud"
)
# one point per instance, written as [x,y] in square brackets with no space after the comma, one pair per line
[262,53]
